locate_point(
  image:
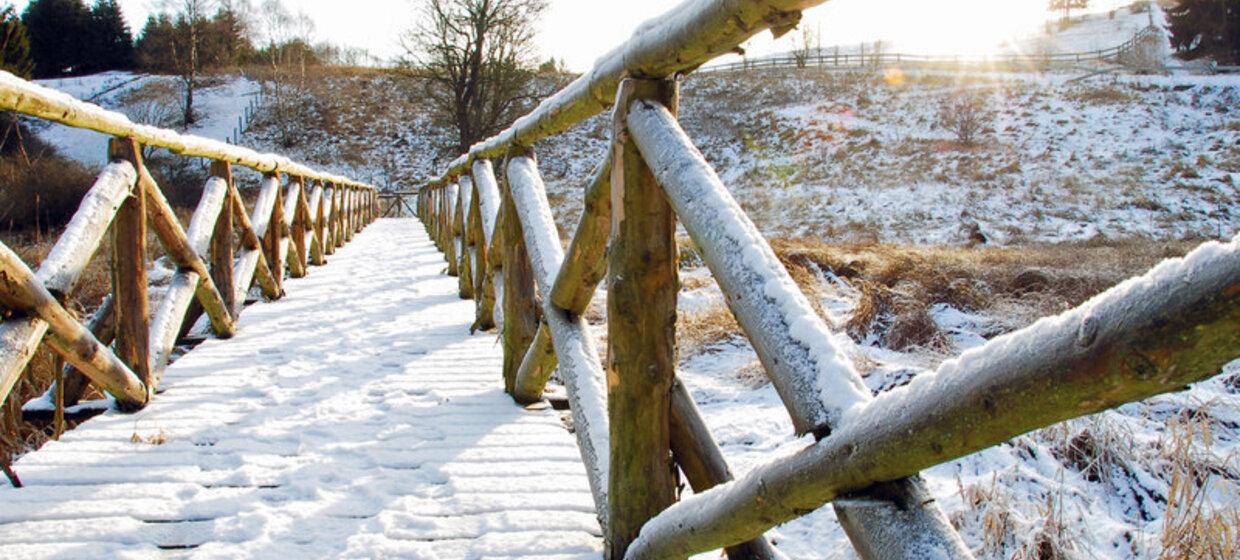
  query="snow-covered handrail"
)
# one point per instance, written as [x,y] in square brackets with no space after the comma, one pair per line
[293,226]
[21,96]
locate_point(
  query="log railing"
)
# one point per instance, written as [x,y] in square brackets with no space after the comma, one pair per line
[636,424]
[300,216]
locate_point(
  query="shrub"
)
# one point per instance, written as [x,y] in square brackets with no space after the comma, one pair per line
[964,115]
[38,187]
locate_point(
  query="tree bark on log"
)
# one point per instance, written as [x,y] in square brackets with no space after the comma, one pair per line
[520,310]
[586,263]
[129,283]
[222,242]
[642,286]
[465,276]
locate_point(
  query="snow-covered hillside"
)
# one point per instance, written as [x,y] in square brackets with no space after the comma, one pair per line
[864,156]
[1103,26]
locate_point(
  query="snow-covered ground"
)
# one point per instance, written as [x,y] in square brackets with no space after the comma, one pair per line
[1096,487]
[863,156]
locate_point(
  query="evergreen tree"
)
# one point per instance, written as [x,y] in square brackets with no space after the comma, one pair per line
[1206,28]
[227,41]
[14,45]
[56,29]
[113,40]
[155,48]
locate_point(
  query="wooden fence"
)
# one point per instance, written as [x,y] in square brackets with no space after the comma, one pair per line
[836,60]
[635,424]
[301,216]
[397,204]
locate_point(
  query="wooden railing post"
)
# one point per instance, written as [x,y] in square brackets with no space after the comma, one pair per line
[465,271]
[488,199]
[776,319]
[642,286]
[222,244]
[350,205]
[483,185]
[520,309]
[338,216]
[129,271]
[329,214]
[451,230]
[300,217]
[271,240]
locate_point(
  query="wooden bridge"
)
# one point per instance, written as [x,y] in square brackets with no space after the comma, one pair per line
[369,413]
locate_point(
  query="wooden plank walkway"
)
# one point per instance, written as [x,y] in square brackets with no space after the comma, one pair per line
[354,418]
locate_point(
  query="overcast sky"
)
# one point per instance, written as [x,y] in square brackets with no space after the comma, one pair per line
[579,31]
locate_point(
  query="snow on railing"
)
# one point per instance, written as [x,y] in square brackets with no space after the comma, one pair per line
[224,251]
[1174,326]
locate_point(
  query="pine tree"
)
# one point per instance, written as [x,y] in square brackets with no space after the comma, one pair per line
[1206,28]
[113,40]
[14,45]
[56,29]
[154,49]
[227,41]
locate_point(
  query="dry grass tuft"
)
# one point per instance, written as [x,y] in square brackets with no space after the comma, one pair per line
[899,284]
[158,438]
[698,330]
[1193,526]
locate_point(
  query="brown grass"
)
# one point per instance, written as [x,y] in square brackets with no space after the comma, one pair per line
[1193,527]
[38,188]
[899,284]
[696,331]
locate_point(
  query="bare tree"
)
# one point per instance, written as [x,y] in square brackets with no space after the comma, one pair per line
[191,18]
[288,50]
[805,48]
[1067,6]
[476,57]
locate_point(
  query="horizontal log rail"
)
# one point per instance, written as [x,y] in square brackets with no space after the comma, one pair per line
[1176,325]
[124,349]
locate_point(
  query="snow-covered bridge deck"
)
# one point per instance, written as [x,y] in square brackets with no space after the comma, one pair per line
[356,417]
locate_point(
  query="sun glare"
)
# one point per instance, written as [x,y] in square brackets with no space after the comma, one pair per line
[945,27]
